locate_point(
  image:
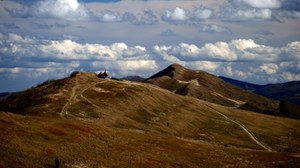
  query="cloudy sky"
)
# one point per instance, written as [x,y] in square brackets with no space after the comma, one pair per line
[251,40]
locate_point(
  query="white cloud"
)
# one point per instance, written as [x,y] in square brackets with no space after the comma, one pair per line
[175,15]
[289,14]
[228,70]
[204,65]
[146,18]
[288,76]
[219,50]
[110,16]
[248,10]
[212,28]
[32,73]
[264,3]
[291,51]
[30,48]
[233,51]
[202,13]
[60,9]
[38,57]
[129,67]
[269,68]
[250,14]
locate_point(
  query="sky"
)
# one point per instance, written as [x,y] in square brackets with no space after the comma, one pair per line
[257,41]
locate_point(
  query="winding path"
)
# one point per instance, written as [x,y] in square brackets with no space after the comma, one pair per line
[88,100]
[64,112]
[71,100]
[248,132]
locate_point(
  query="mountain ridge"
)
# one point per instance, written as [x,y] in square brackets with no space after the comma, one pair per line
[208,87]
[89,122]
[287,91]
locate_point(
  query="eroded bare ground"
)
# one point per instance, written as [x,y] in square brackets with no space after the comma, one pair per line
[106,123]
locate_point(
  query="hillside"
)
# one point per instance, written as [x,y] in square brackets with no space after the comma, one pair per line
[289,91]
[133,78]
[86,121]
[205,86]
[244,85]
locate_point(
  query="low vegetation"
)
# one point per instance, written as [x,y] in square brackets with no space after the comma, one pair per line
[85,121]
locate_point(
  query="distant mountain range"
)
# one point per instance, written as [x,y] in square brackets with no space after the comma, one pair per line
[289,91]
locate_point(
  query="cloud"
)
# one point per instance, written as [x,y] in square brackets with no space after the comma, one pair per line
[241,58]
[289,14]
[123,68]
[240,50]
[110,16]
[23,48]
[287,76]
[132,65]
[59,9]
[213,28]
[202,13]
[204,65]
[14,46]
[291,51]
[175,15]
[269,68]
[263,4]
[246,10]
[147,18]
[194,16]
[289,9]
[48,56]
[247,15]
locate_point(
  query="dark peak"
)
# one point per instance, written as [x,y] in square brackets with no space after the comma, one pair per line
[74,74]
[176,66]
[173,71]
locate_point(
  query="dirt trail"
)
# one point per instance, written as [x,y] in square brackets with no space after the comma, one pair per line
[248,132]
[88,100]
[73,96]
[64,112]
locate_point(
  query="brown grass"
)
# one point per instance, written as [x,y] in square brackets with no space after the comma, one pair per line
[138,125]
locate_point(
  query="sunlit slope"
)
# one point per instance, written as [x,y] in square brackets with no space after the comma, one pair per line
[208,87]
[88,121]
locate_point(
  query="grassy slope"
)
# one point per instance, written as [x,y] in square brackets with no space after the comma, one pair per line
[205,86]
[130,124]
[29,141]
